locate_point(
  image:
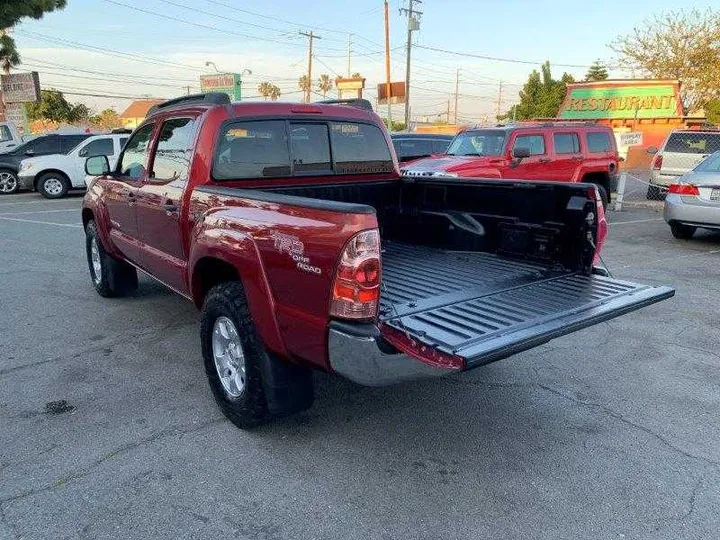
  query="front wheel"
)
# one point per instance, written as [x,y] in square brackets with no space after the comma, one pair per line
[8,182]
[682,232]
[53,185]
[110,277]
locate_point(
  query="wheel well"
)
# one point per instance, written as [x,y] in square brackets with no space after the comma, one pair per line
[87,216]
[42,173]
[599,178]
[209,272]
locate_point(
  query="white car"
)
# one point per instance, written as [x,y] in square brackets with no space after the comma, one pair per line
[9,137]
[53,175]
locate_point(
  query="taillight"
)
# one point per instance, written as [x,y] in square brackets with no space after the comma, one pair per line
[657,162]
[356,288]
[602,226]
[684,189]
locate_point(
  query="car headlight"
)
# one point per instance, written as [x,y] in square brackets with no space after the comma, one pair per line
[24,165]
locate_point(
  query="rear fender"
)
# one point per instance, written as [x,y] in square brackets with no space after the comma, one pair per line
[240,251]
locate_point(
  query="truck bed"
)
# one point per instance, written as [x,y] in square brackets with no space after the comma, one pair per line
[483,307]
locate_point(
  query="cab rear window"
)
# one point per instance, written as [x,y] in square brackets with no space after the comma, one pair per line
[277,148]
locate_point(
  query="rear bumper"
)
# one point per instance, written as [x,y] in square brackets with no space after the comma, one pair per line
[664,180]
[691,211]
[26,182]
[358,352]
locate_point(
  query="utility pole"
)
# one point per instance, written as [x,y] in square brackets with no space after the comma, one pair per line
[188,89]
[311,37]
[448,112]
[499,101]
[413,24]
[349,52]
[457,90]
[387,68]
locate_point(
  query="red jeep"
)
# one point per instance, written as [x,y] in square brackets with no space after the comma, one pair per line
[558,151]
[292,230]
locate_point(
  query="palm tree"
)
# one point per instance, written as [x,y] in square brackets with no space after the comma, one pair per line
[274,92]
[304,85]
[356,75]
[265,89]
[324,84]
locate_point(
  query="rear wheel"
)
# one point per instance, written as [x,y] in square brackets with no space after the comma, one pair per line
[8,182]
[53,185]
[682,232]
[110,277]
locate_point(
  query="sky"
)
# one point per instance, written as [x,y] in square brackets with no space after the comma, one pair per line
[156,48]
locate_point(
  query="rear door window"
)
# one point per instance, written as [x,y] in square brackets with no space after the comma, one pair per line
[310,145]
[359,149]
[598,141]
[693,143]
[46,145]
[253,150]
[566,143]
[174,148]
[5,135]
[535,143]
[68,142]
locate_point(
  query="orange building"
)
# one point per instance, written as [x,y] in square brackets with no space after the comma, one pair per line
[136,112]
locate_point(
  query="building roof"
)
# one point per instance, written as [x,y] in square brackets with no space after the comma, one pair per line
[139,108]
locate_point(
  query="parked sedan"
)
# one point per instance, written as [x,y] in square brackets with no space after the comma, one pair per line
[694,200]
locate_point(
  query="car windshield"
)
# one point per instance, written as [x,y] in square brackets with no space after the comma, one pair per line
[486,142]
[710,165]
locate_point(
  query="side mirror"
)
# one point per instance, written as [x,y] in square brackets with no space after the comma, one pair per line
[652,150]
[97,165]
[521,153]
[83,152]
[30,152]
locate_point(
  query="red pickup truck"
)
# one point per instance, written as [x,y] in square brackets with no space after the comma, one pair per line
[559,151]
[291,228]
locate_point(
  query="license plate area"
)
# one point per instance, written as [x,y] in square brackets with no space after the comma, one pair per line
[715,194]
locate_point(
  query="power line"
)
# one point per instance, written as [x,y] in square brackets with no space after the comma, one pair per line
[105,79]
[328,67]
[44,64]
[497,59]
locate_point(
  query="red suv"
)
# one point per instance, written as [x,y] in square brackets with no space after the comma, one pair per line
[559,151]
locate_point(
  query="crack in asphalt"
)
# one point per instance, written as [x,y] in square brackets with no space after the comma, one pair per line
[77,475]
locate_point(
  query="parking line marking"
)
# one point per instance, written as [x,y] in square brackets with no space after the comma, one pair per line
[38,212]
[73,225]
[41,201]
[635,221]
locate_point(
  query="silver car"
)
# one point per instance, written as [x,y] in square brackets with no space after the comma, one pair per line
[679,154]
[694,199]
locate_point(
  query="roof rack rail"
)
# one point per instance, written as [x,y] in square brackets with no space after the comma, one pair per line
[355,102]
[209,98]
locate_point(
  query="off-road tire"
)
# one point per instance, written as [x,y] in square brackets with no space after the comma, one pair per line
[116,278]
[682,232]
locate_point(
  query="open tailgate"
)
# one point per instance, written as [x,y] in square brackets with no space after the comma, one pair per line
[483,328]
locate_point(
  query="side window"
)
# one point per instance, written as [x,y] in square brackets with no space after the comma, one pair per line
[133,161]
[98,147]
[47,145]
[310,146]
[598,142]
[68,142]
[359,149]
[174,148]
[535,143]
[252,150]
[440,146]
[414,147]
[566,143]
[5,135]
[123,140]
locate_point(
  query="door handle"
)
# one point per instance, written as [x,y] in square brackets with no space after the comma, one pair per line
[544,160]
[170,208]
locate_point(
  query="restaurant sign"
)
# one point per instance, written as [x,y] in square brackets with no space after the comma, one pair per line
[227,83]
[621,99]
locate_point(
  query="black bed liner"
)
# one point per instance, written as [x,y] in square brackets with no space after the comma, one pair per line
[483,307]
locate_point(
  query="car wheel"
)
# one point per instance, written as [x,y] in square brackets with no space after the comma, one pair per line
[682,232]
[110,277]
[655,193]
[53,185]
[8,182]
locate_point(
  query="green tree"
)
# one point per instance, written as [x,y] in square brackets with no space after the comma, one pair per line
[106,119]
[265,89]
[681,45]
[597,72]
[11,12]
[541,96]
[305,85]
[54,107]
[324,84]
[274,92]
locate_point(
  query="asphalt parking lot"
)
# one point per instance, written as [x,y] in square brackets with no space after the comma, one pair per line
[109,429]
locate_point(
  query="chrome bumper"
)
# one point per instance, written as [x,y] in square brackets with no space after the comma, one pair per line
[357,352]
